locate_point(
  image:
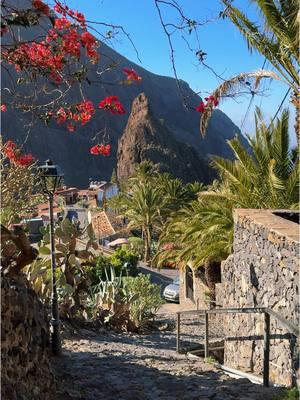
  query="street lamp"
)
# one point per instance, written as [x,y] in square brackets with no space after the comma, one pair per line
[50,178]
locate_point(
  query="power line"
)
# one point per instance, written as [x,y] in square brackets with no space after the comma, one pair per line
[281,104]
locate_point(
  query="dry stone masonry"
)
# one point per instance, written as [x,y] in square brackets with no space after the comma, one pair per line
[25,356]
[262,271]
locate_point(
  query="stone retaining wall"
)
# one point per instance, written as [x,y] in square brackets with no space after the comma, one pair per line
[262,271]
[25,353]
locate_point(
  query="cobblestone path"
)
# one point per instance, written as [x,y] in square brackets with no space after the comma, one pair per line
[145,367]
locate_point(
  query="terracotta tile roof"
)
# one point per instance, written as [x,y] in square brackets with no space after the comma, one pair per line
[67,190]
[107,224]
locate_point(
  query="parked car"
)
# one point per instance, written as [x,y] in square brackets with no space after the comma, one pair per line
[171,292]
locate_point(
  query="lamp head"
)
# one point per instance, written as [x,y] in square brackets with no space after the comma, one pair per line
[50,177]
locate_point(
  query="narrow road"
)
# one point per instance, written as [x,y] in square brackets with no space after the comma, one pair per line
[161,277]
[110,366]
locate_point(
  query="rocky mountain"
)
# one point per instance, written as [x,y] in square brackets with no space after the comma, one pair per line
[147,138]
[71,150]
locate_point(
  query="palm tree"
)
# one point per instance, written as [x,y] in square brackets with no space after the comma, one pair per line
[264,177]
[277,39]
[142,207]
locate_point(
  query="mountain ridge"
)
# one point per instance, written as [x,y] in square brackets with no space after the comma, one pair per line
[71,150]
[147,138]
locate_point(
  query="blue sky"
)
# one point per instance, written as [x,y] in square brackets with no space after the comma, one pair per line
[227,50]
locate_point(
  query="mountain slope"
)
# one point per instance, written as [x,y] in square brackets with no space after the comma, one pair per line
[71,150]
[147,138]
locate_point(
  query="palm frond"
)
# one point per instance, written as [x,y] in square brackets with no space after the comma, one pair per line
[232,87]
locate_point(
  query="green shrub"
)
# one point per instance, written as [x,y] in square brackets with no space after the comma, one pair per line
[97,272]
[124,255]
[137,245]
[290,394]
[143,296]
[117,261]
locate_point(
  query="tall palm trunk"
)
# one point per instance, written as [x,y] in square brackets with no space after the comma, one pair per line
[295,100]
[147,239]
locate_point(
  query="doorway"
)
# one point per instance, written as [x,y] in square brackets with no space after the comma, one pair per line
[189,283]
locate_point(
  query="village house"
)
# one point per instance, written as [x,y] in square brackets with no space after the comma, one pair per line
[105,190]
[70,195]
[107,226]
[43,211]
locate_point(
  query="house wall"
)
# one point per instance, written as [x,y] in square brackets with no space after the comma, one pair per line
[200,290]
[262,271]
[111,191]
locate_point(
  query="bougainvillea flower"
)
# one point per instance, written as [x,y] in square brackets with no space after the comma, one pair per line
[14,156]
[40,6]
[71,127]
[3,108]
[62,23]
[65,10]
[212,100]
[201,107]
[100,149]
[131,74]
[25,160]
[112,104]
[61,116]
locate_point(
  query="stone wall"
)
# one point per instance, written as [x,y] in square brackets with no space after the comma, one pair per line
[25,353]
[262,271]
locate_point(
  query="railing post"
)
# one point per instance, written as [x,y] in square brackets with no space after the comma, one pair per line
[178,333]
[206,336]
[266,348]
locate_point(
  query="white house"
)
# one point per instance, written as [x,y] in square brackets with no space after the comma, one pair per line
[105,190]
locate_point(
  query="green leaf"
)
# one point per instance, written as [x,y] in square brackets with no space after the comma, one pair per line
[72,260]
[59,232]
[44,250]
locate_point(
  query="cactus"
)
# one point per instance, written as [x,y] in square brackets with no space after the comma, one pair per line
[72,279]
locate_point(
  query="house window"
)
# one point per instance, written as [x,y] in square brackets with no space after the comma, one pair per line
[189,283]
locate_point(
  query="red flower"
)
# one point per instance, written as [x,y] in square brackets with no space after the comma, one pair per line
[71,127]
[100,149]
[61,116]
[201,107]
[112,104]
[105,149]
[11,152]
[64,10]
[89,42]
[95,150]
[86,110]
[87,39]
[40,6]
[25,160]
[212,100]
[131,74]
[3,108]
[62,23]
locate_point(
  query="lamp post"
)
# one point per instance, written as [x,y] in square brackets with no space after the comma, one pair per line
[50,178]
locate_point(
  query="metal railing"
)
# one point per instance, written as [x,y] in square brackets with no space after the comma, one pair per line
[267,312]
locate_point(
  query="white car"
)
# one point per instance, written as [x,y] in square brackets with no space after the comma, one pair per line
[171,292]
